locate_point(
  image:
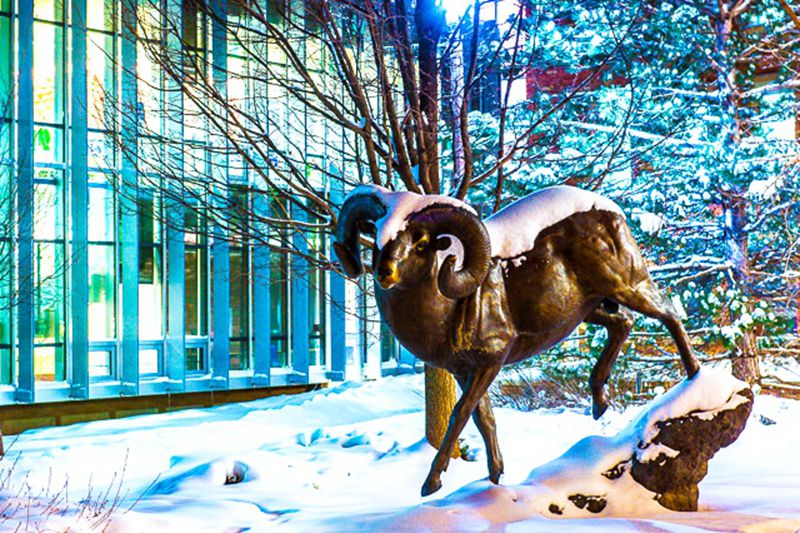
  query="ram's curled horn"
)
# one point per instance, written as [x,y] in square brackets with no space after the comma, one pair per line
[356,210]
[448,220]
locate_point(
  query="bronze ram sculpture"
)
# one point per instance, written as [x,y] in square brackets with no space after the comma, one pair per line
[530,275]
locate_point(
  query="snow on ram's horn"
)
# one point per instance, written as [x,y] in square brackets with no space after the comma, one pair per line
[400,205]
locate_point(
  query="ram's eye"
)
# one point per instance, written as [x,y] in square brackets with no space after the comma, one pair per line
[421,245]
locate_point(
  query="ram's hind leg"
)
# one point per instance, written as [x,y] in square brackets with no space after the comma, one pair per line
[618,322]
[484,420]
[645,298]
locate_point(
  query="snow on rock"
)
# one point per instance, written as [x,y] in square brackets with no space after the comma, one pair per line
[513,229]
[606,476]
[400,205]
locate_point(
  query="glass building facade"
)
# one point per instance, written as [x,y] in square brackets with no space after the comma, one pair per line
[99,297]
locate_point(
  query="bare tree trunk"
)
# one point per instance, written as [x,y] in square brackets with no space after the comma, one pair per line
[745,360]
[440,398]
[440,387]
[745,355]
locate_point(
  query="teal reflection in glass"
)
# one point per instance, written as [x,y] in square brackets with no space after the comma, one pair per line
[6,65]
[6,367]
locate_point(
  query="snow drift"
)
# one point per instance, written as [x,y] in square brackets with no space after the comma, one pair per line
[351,458]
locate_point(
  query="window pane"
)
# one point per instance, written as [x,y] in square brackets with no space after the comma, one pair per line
[352,322]
[48,145]
[101,86]
[48,73]
[149,19]
[151,308]
[6,293]
[5,149]
[149,75]
[6,203]
[100,14]
[101,214]
[195,303]
[149,210]
[101,150]
[194,129]
[279,295]
[101,292]
[316,305]
[48,9]
[237,80]
[150,267]
[48,271]
[240,358]
[194,360]
[148,362]
[239,301]
[48,219]
[6,303]
[388,347]
[100,363]
[48,363]
[194,225]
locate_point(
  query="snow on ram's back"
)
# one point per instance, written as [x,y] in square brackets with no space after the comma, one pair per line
[535,213]
[512,230]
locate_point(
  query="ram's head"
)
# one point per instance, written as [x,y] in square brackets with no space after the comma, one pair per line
[409,256]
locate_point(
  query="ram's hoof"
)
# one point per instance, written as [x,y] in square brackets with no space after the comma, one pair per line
[431,485]
[495,473]
[598,408]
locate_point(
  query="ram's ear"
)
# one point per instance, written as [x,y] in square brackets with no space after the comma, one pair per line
[443,243]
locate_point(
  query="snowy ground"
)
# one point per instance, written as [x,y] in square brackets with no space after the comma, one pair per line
[353,458]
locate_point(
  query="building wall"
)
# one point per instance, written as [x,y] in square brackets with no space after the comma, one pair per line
[100,295]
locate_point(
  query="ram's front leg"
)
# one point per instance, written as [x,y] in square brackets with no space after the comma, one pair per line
[484,420]
[477,383]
